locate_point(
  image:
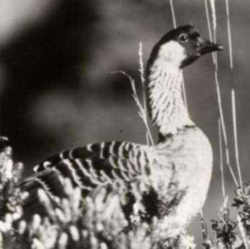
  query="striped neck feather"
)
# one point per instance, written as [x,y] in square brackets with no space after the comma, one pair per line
[165,100]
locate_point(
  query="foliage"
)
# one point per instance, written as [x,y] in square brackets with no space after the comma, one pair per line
[74,222]
[93,222]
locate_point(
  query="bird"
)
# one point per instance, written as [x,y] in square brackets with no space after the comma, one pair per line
[172,176]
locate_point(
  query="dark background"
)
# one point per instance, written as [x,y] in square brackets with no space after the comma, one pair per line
[58,91]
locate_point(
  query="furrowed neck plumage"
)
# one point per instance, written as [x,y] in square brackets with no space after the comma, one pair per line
[165,100]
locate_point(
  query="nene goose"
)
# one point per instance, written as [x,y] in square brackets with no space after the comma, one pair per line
[172,177]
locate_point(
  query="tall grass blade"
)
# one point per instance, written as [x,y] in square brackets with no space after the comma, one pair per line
[141,112]
[208,20]
[212,33]
[214,19]
[149,136]
[171,3]
[236,144]
[223,189]
[242,232]
[229,35]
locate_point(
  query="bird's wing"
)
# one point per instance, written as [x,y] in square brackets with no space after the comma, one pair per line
[138,172]
[93,165]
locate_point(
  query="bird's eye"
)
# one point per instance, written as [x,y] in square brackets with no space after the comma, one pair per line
[183,37]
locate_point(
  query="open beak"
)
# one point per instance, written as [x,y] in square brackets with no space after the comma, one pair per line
[208,47]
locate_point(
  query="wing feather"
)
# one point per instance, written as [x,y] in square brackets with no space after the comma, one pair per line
[94,165]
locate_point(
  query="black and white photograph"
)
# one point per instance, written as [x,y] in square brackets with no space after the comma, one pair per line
[124,124]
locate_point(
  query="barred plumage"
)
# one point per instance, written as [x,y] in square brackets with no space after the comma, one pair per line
[170,180]
[121,157]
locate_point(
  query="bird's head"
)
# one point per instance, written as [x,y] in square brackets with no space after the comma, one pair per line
[182,46]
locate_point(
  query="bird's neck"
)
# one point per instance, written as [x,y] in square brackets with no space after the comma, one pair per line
[165,99]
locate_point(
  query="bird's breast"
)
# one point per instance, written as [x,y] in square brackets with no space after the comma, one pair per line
[185,162]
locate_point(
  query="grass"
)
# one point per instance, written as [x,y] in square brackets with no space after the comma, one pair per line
[229,232]
[212,35]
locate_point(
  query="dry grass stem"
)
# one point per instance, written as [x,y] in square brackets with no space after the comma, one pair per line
[214,19]
[223,126]
[218,92]
[171,3]
[141,64]
[141,112]
[149,137]
[242,232]
[208,20]
[235,133]
[210,33]
[223,189]
[229,35]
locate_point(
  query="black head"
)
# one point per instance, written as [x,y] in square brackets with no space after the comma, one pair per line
[182,46]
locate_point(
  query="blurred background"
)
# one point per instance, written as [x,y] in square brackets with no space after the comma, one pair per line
[57,87]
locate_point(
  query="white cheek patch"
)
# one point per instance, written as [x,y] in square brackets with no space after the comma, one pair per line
[172,52]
